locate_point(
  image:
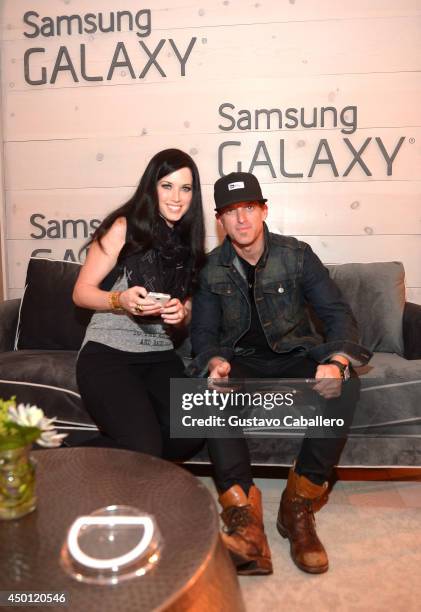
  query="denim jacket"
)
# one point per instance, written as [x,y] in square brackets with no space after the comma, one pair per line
[288,278]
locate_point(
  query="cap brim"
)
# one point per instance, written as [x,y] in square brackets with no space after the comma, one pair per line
[236,201]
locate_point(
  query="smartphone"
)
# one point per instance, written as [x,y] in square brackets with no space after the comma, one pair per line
[161,298]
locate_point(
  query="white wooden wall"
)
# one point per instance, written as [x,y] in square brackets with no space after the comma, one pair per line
[76,150]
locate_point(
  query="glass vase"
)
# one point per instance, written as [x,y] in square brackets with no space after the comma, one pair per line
[17,483]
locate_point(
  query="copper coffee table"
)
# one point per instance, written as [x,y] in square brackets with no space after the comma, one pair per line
[194,572]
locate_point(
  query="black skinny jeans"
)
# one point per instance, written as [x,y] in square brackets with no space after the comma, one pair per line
[317,456]
[128,396]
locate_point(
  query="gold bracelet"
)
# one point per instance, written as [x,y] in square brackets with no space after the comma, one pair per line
[114,300]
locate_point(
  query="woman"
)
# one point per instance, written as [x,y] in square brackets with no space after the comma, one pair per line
[153,243]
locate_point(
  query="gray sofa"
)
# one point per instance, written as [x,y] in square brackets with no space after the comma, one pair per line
[40,336]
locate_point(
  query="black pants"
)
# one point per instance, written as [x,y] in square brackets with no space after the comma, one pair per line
[128,396]
[317,456]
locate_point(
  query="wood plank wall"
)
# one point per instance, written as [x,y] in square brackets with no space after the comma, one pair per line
[75,150]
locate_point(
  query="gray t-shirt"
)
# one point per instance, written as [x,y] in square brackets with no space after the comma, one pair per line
[120,330]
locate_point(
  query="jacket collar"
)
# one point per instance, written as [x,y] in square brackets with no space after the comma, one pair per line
[228,253]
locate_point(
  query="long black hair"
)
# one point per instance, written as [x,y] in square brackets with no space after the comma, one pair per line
[142,211]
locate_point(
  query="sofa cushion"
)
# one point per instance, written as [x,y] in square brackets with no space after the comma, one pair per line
[386,430]
[45,378]
[48,318]
[376,294]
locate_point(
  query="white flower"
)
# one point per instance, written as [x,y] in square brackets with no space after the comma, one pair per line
[46,424]
[26,415]
[50,438]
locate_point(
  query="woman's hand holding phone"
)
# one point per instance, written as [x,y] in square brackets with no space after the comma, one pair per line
[173,312]
[138,302]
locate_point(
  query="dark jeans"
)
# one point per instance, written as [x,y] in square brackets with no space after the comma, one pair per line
[317,456]
[128,396]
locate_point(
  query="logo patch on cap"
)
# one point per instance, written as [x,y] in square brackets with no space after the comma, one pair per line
[238,185]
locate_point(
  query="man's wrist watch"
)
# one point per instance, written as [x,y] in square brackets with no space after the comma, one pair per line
[344,369]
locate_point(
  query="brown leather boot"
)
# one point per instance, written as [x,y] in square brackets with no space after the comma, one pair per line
[244,533]
[296,522]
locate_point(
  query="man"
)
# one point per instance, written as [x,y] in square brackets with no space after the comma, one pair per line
[250,320]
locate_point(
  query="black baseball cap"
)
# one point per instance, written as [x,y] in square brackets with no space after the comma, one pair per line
[237,187]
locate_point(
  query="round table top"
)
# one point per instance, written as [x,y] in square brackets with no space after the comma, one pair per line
[76,481]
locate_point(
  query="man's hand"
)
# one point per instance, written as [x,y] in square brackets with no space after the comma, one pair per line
[330,378]
[219,368]
[218,371]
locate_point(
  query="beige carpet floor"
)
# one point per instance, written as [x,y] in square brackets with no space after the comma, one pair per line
[372,532]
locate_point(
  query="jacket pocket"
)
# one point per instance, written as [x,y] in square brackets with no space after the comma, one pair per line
[225,289]
[283,297]
[233,306]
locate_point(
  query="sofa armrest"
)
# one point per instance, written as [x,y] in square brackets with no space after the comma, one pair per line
[412,331]
[9,314]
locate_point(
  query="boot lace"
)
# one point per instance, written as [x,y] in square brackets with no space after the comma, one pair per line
[237,517]
[304,511]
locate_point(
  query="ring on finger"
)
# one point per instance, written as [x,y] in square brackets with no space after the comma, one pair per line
[138,307]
